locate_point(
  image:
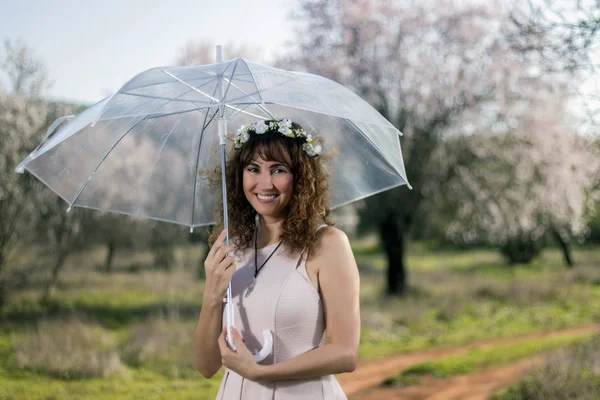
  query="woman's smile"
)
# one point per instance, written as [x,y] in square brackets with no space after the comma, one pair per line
[263,198]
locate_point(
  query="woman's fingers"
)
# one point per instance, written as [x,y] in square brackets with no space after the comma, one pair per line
[226,263]
[221,253]
[218,244]
[222,344]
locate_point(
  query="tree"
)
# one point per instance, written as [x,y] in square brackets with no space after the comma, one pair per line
[530,172]
[559,34]
[563,36]
[25,71]
[22,116]
[421,65]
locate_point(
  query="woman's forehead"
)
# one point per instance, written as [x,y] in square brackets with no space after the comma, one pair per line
[262,162]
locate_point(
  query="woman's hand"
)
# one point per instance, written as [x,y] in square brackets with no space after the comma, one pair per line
[219,269]
[240,360]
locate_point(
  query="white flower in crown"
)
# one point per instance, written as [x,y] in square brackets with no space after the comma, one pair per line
[286,123]
[239,131]
[284,130]
[260,127]
[311,150]
[309,137]
[242,138]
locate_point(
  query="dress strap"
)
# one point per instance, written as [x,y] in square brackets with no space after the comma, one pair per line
[301,267]
[321,226]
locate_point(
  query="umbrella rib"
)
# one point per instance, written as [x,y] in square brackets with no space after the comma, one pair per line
[257,91]
[68,164]
[209,79]
[204,126]
[171,99]
[378,150]
[149,96]
[217,102]
[190,86]
[253,79]
[82,187]
[260,104]
[229,84]
[242,110]
[207,108]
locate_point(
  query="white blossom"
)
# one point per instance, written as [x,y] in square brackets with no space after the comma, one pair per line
[260,127]
[286,131]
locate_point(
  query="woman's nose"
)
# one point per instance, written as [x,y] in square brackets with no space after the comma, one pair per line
[265,181]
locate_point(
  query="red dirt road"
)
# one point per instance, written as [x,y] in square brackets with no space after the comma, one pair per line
[364,381]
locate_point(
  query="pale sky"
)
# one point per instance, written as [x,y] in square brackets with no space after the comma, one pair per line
[91,48]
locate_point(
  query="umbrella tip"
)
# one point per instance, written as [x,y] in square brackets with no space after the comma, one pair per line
[219,53]
[191,229]
[69,209]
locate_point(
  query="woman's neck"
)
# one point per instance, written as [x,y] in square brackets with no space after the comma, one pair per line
[269,230]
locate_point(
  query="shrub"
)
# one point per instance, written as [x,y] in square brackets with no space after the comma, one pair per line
[68,349]
[163,344]
[572,373]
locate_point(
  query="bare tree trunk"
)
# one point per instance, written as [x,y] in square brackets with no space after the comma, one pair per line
[3,293]
[565,247]
[393,240]
[51,285]
[110,252]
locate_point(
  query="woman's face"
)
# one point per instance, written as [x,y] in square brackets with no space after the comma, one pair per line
[268,186]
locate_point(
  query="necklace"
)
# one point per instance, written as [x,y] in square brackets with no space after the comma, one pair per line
[256,267]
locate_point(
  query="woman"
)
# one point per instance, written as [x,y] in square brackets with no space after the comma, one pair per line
[290,273]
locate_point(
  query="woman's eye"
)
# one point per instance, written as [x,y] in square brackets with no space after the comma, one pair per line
[279,171]
[252,169]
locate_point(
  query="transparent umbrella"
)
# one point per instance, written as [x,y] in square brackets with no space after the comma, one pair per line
[144,151]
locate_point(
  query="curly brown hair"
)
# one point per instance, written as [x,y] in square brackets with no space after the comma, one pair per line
[308,207]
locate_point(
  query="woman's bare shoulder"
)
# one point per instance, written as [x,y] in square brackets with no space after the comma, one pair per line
[331,243]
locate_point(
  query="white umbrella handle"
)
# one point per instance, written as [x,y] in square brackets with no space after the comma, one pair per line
[267,346]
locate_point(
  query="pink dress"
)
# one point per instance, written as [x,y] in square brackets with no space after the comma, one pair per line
[284,301]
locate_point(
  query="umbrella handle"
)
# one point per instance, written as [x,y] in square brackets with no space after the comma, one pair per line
[267,335]
[267,346]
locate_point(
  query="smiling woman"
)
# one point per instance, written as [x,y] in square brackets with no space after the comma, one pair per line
[292,273]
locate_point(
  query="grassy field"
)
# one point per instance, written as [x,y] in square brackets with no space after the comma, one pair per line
[128,335]
[570,373]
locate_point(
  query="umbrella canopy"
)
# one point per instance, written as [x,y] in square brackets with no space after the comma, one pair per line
[146,150]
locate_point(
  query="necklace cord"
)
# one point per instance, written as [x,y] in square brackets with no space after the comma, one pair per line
[256,268]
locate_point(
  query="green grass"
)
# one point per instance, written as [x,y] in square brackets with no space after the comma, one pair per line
[453,298]
[480,358]
[139,384]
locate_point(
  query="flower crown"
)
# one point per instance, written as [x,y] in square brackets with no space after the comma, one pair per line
[285,128]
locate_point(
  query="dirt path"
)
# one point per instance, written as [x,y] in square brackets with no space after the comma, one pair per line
[369,375]
[479,386]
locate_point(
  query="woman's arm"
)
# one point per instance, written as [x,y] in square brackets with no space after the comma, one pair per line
[219,270]
[339,287]
[208,328]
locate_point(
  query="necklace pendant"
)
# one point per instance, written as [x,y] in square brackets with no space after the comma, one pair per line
[251,287]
